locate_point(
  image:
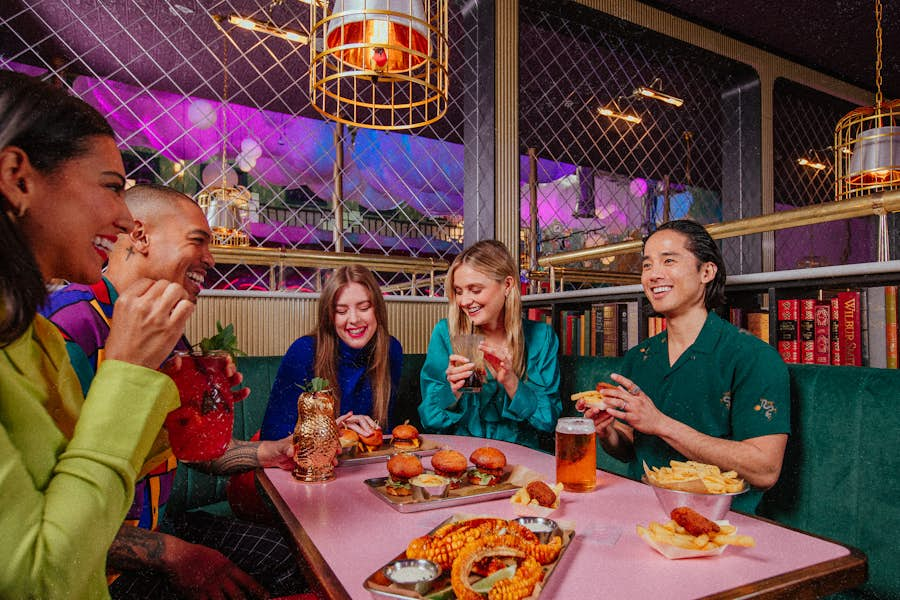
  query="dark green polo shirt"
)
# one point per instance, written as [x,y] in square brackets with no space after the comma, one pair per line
[728,384]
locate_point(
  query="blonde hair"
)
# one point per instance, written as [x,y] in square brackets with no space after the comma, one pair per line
[379,370]
[492,259]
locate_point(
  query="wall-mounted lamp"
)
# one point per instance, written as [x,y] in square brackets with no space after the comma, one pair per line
[616,113]
[269,28]
[653,91]
[812,164]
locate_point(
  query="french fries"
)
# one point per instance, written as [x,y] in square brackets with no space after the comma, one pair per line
[679,472]
[673,534]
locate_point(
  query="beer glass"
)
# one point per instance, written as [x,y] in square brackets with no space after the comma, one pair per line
[576,454]
[466,344]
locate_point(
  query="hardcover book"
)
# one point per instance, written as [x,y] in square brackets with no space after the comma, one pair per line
[836,352]
[822,334]
[890,326]
[807,331]
[850,329]
[788,330]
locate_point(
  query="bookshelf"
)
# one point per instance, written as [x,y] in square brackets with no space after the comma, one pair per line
[757,293]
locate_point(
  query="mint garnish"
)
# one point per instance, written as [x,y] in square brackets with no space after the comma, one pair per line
[225,340]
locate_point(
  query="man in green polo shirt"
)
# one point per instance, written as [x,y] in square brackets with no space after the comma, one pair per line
[702,389]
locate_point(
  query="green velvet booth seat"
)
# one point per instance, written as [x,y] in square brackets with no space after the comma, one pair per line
[840,477]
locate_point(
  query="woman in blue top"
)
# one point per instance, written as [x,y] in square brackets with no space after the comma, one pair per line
[351,348]
[521,396]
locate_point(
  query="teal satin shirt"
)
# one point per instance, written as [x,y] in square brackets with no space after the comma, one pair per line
[491,413]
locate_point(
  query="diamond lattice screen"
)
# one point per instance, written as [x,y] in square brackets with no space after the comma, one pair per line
[601,179]
[803,128]
[181,86]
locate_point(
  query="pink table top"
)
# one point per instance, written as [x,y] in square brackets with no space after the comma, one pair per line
[356,533]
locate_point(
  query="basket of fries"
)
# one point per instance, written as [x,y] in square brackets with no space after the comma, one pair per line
[702,487]
[673,540]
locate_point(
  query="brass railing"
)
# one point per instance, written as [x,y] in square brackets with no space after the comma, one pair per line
[278,258]
[876,204]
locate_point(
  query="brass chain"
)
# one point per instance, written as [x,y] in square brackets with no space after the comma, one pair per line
[878,96]
[224,109]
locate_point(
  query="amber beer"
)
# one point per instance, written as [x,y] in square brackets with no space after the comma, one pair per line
[576,454]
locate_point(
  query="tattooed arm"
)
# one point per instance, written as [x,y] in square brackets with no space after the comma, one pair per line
[194,570]
[243,456]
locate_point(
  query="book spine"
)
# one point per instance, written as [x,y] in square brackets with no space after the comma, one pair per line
[836,346]
[610,325]
[807,331]
[758,325]
[875,328]
[890,326]
[788,325]
[598,329]
[851,350]
[633,316]
[822,333]
[569,320]
[584,329]
[622,309]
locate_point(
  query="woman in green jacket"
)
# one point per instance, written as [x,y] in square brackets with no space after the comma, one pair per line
[68,464]
[520,397]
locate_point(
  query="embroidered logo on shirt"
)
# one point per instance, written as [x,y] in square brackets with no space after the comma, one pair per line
[726,400]
[768,406]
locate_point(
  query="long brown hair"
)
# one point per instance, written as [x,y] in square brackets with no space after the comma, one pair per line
[52,128]
[379,370]
[491,258]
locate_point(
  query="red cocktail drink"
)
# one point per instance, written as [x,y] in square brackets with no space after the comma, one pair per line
[201,428]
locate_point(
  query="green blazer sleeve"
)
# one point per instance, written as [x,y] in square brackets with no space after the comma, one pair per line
[62,500]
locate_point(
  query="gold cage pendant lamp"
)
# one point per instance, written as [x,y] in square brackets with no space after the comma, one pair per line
[867,140]
[380,64]
[226,206]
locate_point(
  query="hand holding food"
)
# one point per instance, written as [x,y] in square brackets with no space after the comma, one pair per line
[592,398]
[708,536]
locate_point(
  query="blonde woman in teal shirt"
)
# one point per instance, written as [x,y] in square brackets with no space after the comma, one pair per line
[520,397]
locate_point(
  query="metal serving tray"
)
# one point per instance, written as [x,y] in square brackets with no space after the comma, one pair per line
[465,494]
[385,451]
[380,587]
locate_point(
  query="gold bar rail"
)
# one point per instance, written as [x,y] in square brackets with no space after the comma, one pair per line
[875,204]
[274,257]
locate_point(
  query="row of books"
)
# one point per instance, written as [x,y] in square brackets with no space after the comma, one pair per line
[604,329]
[849,328]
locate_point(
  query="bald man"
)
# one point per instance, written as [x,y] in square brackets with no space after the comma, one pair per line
[199,555]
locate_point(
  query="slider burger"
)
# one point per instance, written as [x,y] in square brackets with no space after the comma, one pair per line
[371,442]
[405,437]
[401,468]
[489,463]
[348,438]
[450,464]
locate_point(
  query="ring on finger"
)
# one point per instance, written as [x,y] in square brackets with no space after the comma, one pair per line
[634,391]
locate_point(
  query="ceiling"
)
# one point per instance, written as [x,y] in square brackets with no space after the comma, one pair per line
[836,38]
